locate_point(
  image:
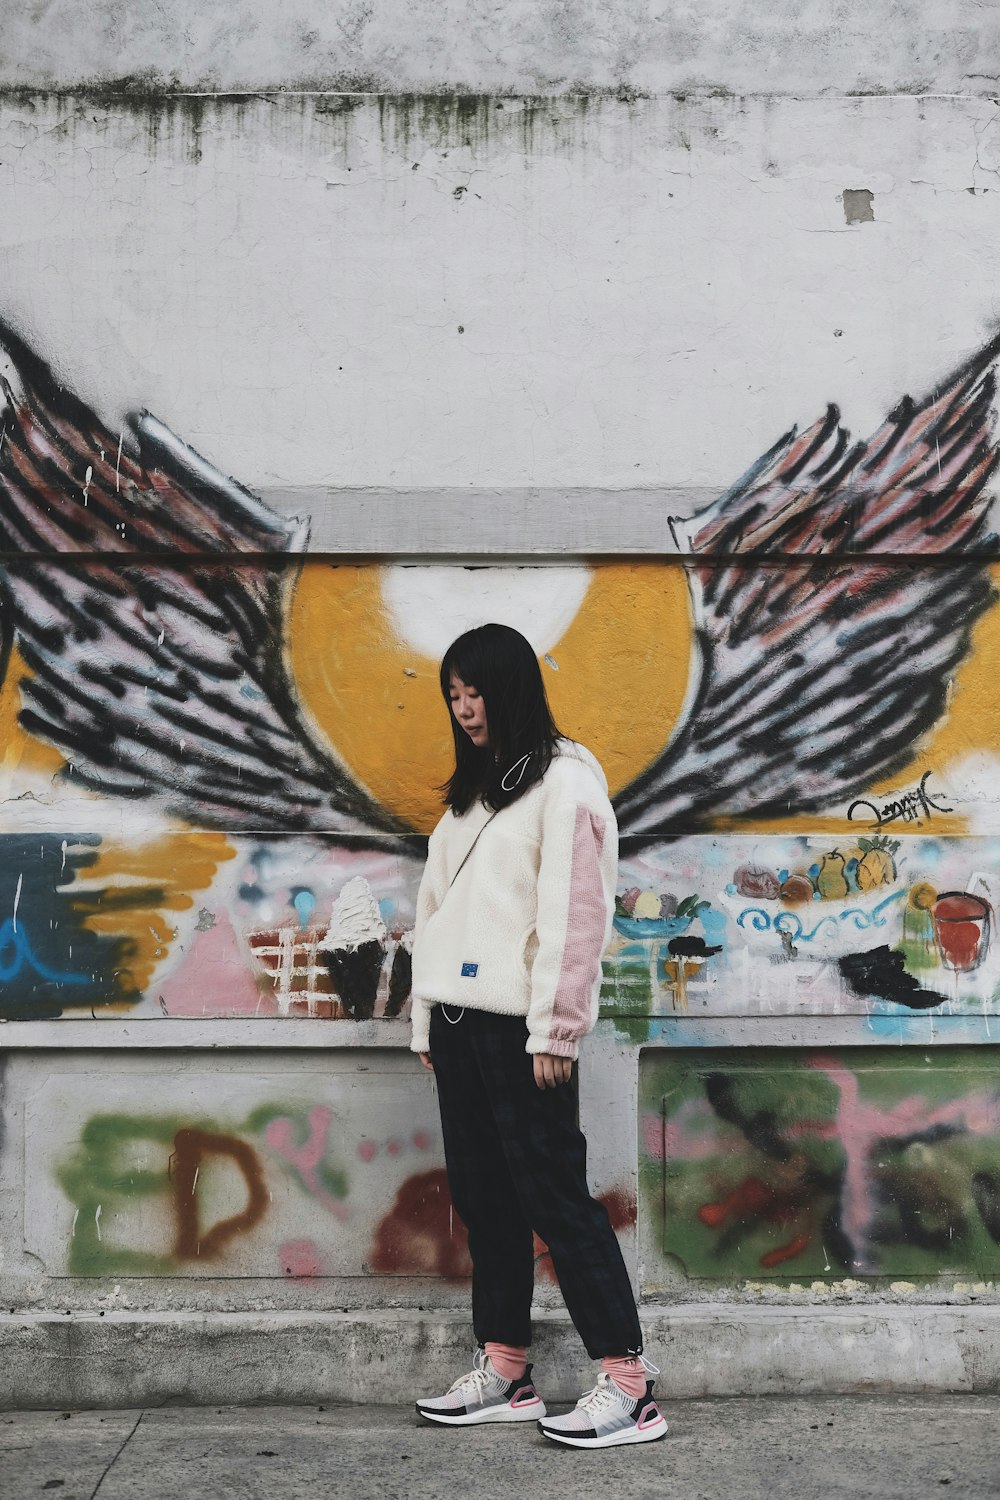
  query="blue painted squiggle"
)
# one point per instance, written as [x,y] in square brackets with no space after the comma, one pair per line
[791,923]
[788,921]
[759,919]
[14,939]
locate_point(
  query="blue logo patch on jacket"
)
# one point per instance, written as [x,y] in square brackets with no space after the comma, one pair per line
[469,971]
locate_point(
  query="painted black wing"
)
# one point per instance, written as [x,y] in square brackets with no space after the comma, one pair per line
[147,593]
[834,590]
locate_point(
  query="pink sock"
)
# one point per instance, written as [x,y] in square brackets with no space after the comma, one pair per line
[628,1374]
[508,1360]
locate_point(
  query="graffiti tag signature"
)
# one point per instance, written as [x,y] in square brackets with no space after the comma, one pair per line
[912,807]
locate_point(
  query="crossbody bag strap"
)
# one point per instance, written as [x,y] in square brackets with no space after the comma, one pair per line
[468,852]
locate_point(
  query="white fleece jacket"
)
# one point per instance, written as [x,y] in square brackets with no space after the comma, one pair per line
[522,929]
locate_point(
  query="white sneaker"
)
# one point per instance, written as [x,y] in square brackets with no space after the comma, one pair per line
[607,1416]
[484,1396]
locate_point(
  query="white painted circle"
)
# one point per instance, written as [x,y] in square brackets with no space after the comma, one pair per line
[430,606]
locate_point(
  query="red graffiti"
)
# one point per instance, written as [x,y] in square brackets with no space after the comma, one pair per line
[755,1201]
[190,1149]
[422,1234]
[786,1252]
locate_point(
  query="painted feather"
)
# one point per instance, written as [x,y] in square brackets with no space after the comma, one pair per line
[834,587]
[153,668]
[834,590]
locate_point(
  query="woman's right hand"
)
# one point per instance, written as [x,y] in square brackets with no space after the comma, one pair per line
[425,1058]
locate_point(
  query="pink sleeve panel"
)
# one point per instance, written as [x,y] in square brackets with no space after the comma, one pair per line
[586,924]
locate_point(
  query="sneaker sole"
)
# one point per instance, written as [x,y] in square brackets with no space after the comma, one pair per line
[648,1434]
[529,1412]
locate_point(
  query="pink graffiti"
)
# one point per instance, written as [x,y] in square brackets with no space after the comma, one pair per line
[859,1125]
[299,1258]
[280,1136]
[369,1149]
[684,1137]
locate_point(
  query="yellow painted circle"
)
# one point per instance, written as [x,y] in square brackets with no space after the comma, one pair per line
[620,678]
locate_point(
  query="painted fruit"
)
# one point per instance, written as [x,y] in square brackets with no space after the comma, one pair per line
[876,868]
[796,890]
[831,882]
[922,896]
[647,906]
[756,882]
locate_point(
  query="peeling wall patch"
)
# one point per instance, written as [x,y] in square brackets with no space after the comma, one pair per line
[859,205]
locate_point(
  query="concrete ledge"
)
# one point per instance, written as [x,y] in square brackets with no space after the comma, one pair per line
[137,1360]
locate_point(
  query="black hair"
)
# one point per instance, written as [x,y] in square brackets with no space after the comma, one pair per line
[501,665]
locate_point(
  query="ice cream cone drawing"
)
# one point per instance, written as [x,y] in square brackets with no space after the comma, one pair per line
[687,955]
[354,948]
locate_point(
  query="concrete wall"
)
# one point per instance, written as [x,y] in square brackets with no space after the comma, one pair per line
[945,46]
[326,294]
[497,356]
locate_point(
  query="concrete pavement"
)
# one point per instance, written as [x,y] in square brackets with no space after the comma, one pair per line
[784,1448]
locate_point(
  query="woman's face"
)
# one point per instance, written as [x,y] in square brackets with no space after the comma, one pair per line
[469,710]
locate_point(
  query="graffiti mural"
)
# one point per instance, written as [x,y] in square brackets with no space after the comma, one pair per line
[846,924]
[814,1165]
[219,1175]
[723,925]
[184,693]
[195,924]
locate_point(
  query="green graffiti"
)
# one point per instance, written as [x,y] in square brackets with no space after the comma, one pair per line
[817,1166]
[627,986]
[108,1171]
[123,1161]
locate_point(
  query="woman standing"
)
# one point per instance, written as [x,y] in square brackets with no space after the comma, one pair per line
[513,914]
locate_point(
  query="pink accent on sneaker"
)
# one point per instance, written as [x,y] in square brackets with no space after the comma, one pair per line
[650,1416]
[527,1396]
[509,1361]
[627,1374]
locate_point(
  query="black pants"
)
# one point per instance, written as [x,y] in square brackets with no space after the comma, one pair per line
[517,1162]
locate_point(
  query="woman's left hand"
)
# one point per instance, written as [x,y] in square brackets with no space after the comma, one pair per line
[551,1071]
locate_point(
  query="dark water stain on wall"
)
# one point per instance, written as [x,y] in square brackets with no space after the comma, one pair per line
[342,113]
